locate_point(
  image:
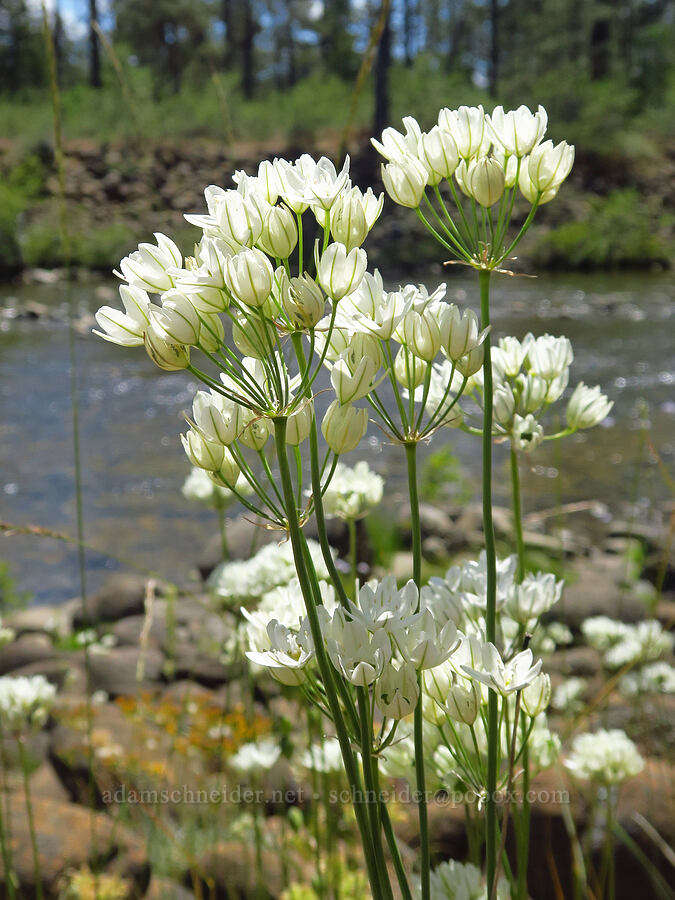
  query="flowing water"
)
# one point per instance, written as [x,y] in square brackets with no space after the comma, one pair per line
[133,465]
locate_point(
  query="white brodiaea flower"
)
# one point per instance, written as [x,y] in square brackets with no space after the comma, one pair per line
[655,678]
[601,632]
[352,491]
[536,595]
[383,605]
[272,566]
[25,701]
[324,757]
[454,880]
[527,433]
[256,757]
[608,757]
[199,486]
[288,653]
[568,695]
[506,678]
[643,642]
[356,653]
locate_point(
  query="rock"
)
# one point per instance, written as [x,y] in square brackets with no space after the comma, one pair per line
[163,889]
[125,670]
[63,833]
[128,630]
[594,589]
[45,783]
[433,521]
[434,549]
[63,672]
[401,565]
[25,650]
[230,867]
[196,646]
[582,662]
[53,619]
[121,595]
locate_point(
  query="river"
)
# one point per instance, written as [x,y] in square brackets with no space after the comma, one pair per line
[621,326]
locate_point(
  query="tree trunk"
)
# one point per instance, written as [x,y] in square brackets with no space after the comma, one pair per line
[494,47]
[248,37]
[230,42]
[407,32]
[94,50]
[382,63]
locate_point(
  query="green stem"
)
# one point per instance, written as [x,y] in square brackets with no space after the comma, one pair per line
[392,843]
[517,515]
[21,741]
[224,550]
[425,856]
[5,823]
[353,562]
[491,567]
[372,799]
[321,657]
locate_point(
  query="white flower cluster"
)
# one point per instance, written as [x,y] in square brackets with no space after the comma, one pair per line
[624,644]
[352,491]
[461,596]
[529,376]
[608,757]
[256,757]
[655,678]
[25,701]
[199,485]
[486,154]
[271,567]
[7,635]
[454,880]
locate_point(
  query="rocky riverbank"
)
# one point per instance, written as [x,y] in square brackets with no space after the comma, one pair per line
[612,213]
[170,702]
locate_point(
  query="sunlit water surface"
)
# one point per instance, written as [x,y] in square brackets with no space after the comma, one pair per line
[130,415]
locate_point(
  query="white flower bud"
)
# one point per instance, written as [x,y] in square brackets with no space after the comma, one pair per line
[150,266]
[303,302]
[587,407]
[421,332]
[486,181]
[339,272]
[344,426]
[526,433]
[228,474]
[164,352]
[549,166]
[503,404]
[467,126]
[395,145]
[125,328]
[537,695]
[212,332]
[438,151]
[279,234]
[531,391]
[550,356]
[255,431]
[397,691]
[177,318]
[348,223]
[238,218]
[354,371]
[249,276]
[471,363]
[409,369]
[460,332]
[405,181]
[216,418]
[299,424]
[253,336]
[518,130]
[202,453]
